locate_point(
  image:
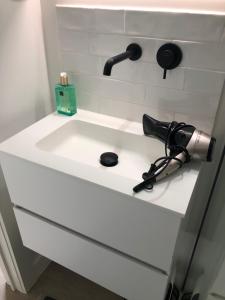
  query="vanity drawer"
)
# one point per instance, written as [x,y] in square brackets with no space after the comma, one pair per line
[132,226]
[114,271]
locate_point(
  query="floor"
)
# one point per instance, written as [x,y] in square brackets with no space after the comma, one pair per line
[60,284]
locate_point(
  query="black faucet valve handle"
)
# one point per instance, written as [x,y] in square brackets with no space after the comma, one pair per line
[164,73]
[169,57]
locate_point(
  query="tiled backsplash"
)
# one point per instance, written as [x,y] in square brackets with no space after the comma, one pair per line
[88,37]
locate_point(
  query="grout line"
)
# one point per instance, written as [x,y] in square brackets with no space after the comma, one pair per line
[207,70]
[187,67]
[151,63]
[222,36]
[124,21]
[144,84]
[146,37]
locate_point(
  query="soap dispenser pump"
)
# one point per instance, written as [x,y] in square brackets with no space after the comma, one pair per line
[65,96]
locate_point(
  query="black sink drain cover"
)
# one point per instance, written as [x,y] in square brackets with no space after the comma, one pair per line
[109,159]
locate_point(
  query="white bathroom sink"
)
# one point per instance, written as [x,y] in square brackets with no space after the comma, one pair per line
[52,171]
[73,145]
[85,142]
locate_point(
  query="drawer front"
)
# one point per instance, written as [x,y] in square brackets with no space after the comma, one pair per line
[133,226]
[114,271]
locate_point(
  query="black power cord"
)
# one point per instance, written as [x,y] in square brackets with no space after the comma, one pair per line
[162,163]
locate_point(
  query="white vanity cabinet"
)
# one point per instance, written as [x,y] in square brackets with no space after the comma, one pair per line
[142,231]
[87,218]
[95,232]
[218,289]
[115,271]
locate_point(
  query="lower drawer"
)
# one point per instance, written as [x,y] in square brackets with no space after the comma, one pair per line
[116,272]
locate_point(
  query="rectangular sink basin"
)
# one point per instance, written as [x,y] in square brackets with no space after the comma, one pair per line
[85,142]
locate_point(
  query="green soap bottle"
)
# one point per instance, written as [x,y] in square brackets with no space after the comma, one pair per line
[65,96]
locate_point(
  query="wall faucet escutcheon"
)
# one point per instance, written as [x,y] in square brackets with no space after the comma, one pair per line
[169,57]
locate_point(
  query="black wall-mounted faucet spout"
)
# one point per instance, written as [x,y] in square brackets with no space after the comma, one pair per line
[133,52]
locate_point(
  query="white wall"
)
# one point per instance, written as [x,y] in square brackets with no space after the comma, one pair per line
[88,37]
[24,98]
[23,76]
[210,251]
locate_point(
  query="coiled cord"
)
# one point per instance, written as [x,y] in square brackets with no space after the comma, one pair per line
[162,163]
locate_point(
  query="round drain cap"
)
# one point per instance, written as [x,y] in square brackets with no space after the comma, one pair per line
[109,159]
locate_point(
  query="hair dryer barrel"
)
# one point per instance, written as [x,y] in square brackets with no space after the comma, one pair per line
[181,132]
[183,135]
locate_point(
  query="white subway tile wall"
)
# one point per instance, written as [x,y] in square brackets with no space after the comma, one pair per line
[88,37]
[188,27]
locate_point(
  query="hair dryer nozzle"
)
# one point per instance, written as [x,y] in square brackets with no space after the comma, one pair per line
[155,128]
